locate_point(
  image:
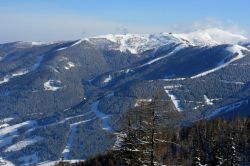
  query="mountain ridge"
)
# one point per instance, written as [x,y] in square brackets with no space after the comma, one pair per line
[80,90]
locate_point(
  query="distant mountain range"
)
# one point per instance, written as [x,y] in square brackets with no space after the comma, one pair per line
[67,98]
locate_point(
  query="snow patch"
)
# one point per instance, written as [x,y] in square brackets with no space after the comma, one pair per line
[197,107]
[4,80]
[128,71]
[174,79]
[39,43]
[5,162]
[172,86]
[107,79]
[208,101]
[140,101]
[63,48]
[22,144]
[233,82]
[19,73]
[52,85]
[4,125]
[69,65]
[6,120]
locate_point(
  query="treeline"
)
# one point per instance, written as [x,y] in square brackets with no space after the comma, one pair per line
[147,140]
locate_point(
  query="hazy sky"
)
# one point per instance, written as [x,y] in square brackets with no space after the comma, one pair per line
[44,20]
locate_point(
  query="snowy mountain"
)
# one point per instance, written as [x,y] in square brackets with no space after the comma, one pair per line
[138,43]
[79,90]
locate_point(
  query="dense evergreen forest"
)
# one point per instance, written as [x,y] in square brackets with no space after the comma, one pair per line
[148,139]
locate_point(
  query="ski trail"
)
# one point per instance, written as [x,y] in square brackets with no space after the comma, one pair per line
[73,130]
[104,117]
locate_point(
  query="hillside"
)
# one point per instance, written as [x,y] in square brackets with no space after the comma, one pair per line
[68,98]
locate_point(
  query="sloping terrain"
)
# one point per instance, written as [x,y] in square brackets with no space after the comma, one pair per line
[68,98]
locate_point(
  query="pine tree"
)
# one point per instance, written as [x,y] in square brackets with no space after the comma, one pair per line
[150,129]
[129,152]
[196,158]
[234,159]
[217,158]
[232,156]
[146,131]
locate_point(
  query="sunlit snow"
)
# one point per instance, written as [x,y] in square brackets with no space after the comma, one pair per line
[107,79]
[69,65]
[52,85]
